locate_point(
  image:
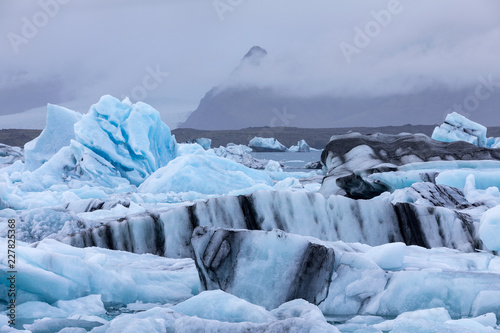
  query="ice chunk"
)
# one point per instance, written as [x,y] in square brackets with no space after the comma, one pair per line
[289,183]
[54,271]
[266,144]
[372,222]
[477,325]
[58,133]
[361,155]
[295,317]
[301,147]
[36,309]
[47,325]
[189,148]
[490,229]
[130,137]
[458,128]
[9,155]
[204,142]
[221,306]
[73,330]
[240,154]
[75,165]
[205,174]
[388,256]
[88,305]
[265,268]
[273,166]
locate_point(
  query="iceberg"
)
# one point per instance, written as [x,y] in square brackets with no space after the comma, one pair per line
[9,155]
[374,222]
[75,166]
[174,237]
[301,147]
[199,314]
[353,153]
[490,229]
[294,267]
[458,128]
[344,279]
[204,174]
[240,154]
[58,133]
[131,137]
[366,184]
[204,142]
[53,272]
[266,145]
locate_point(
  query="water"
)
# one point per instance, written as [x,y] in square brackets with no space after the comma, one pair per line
[291,160]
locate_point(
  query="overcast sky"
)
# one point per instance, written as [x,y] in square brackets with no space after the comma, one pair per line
[171,52]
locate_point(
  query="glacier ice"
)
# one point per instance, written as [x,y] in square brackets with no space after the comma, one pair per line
[273,166]
[204,142]
[370,183]
[294,267]
[419,257]
[301,147]
[372,222]
[9,155]
[266,144]
[222,306]
[490,229]
[52,272]
[377,281]
[58,133]
[240,154]
[204,174]
[295,316]
[130,137]
[355,153]
[458,128]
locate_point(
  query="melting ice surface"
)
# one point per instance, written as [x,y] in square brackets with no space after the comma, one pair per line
[115,178]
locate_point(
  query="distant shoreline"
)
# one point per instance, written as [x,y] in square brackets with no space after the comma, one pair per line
[315,137]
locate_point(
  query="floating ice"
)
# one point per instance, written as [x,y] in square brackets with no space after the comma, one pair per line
[490,229]
[58,133]
[301,147]
[206,174]
[53,271]
[240,154]
[273,166]
[354,155]
[458,128]
[292,266]
[266,144]
[199,314]
[9,155]
[378,281]
[130,137]
[221,306]
[189,148]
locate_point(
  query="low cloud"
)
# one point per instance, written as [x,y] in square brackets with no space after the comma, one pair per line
[93,48]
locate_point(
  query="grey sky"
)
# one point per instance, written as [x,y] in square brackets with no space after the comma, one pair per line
[90,48]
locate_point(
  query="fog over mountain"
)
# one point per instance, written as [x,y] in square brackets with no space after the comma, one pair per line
[247,99]
[373,62]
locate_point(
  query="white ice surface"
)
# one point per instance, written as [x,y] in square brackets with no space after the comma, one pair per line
[206,174]
[267,143]
[490,229]
[130,137]
[54,271]
[58,133]
[458,128]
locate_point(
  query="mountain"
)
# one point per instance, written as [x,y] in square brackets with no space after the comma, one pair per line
[237,105]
